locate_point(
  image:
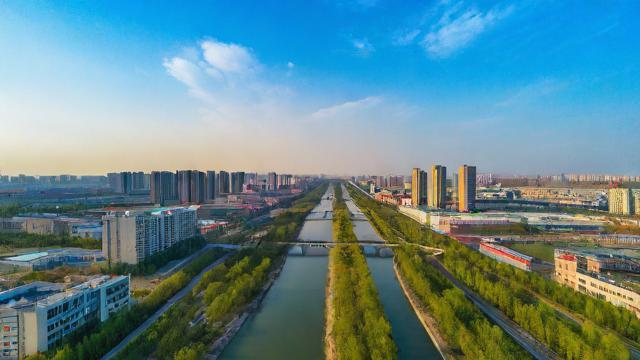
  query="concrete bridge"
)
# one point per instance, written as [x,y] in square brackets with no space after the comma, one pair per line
[317,248]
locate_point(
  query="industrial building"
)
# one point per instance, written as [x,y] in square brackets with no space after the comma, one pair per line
[45,260]
[37,316]
[131,236]
[506,255]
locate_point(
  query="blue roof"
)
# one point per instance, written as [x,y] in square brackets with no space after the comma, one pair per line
[28,257]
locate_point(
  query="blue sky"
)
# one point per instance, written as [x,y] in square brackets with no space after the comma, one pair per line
[326,86]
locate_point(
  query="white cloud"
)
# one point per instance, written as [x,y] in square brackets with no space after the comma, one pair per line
[363,47]
[188,73]
[405,37]
[348,107]
[458,27]
[228,58]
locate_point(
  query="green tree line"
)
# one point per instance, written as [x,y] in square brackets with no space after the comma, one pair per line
[186,330]
[465,328]
[360,329]
[154,262]
[516,293]
[25,240]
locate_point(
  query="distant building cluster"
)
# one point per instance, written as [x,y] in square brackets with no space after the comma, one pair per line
[197,187]
[36,317]
[435,196]
[61,180]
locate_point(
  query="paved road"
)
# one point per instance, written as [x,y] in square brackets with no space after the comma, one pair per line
[523,338]
[175,298]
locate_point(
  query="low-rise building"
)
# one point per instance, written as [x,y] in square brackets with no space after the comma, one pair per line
[506,255]
[574,270]
[37,316]
[49,259]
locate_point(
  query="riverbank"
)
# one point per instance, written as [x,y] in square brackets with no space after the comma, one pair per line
[330,346]
[427,321]
[232,327]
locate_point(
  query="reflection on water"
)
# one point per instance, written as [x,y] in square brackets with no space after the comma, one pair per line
[412,340]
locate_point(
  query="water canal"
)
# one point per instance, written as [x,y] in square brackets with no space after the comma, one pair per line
[290,323]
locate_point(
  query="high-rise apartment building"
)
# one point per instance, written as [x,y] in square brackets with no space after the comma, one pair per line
[198,187]
[237,182]
[191,186]
[466,188]
[212,190]
[132,236]
[284,181]
[272,181]
[636,201]
[438,194]
[620,201]
[224,185]
[164,187]
[121,182]
[138,181]
[418,187]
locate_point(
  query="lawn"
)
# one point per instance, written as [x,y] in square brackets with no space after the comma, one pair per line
[542,251]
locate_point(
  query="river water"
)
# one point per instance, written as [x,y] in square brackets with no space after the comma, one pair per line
[411,338]
[290,323]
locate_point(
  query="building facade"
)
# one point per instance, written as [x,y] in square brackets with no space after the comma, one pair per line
[211,186]
[466,188]
[571,271]
[418,187]
[620,201]
[237,182]
[37,316]
[132,236]
[164,187]
[224,185]
[438,198]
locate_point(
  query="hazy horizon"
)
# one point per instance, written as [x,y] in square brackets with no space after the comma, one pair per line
[334,87]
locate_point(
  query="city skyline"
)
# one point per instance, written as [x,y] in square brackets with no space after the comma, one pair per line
[96,88]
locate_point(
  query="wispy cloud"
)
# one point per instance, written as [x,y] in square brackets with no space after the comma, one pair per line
[458,27]
[534,91]
[363,47]
[346,108]
[405,37]
[230,80]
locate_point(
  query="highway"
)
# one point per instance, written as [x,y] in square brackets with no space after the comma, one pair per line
[523,338]
[175,298]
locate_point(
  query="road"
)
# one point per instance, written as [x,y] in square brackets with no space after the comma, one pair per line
[523,338]
[175,298]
